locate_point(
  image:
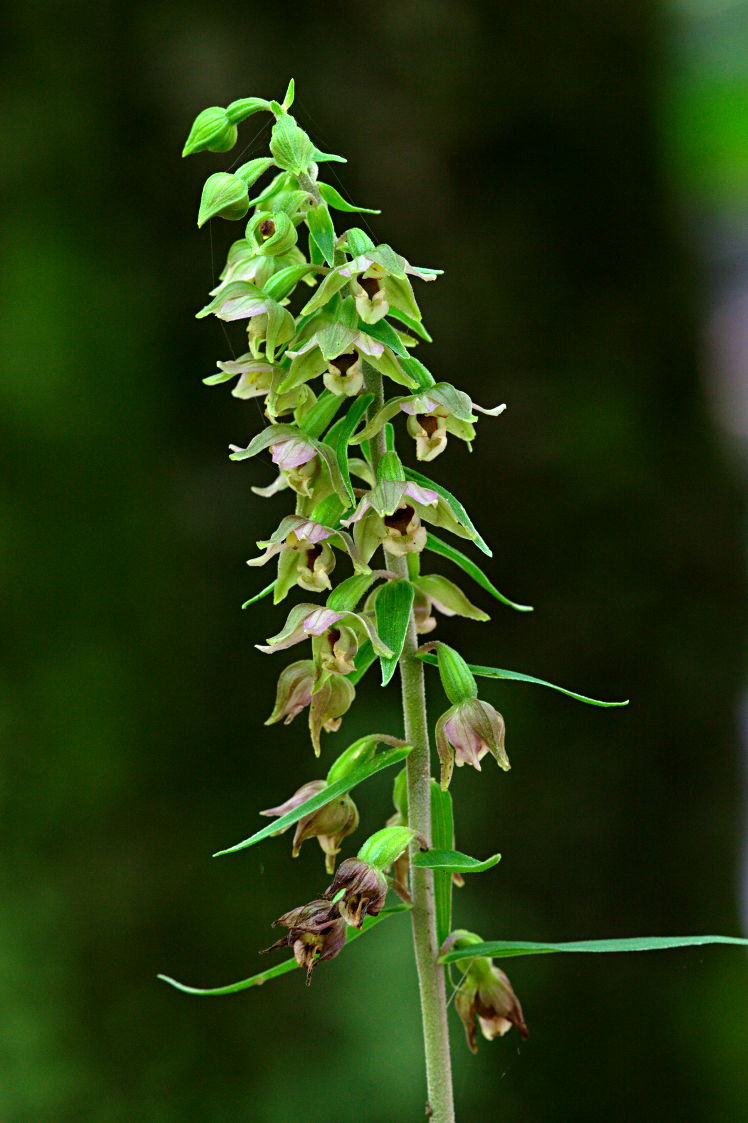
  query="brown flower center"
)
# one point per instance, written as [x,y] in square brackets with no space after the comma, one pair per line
[312,554]
[267,227]
[428,423]
[370,285]
[399,520]
[343,363]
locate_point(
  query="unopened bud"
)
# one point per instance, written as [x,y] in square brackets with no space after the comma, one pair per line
[212,131]
[329,824]
[294,691]
[333,699]
[225,196]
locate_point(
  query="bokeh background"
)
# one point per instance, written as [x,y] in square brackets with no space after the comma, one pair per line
[580,172]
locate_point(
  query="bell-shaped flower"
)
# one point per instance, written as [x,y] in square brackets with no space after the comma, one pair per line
[486,995]
[255,376]
[336,350]
[332,697]
[433,413]
[465,733]
[378,280]
[336,650]
[390,515]
[363,889]
[306,555]
[294,691]
[329,824]
[305,620]
[316,931]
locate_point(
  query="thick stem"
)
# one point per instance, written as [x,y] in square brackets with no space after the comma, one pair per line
[431,981]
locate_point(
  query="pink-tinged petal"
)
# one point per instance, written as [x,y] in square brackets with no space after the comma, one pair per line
[360,511]
[244,366]
[358,265]
[243,308]
[368,346]
[312,532]
[292,453]
[278,484]
[320,620]
[301,796]
[422,494]
[304,347]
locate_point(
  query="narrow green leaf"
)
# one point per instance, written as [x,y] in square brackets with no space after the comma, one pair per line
[453,861]
[326,157]
[421,376]
[258,596]
[348,593]
[515,676]
[443,837]
[457,508]
[334,199]
[331,792]
[412,325]
[282,968]
[290,93]
[445,550]
[393,605]
[322,231]
[386,334]
[345,431]
[502,949]
[321,413]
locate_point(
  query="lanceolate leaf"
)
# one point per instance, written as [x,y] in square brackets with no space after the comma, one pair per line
[393,605]
[437,546]
[344,433]
[334,199]
[502,949]
[386,334]
[331,792]
[457,508]
[443,837]
[453,861]
[412,325]
[282,968]
[322,231]
[496,672]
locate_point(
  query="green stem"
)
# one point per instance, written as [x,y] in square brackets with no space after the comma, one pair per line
[431,981]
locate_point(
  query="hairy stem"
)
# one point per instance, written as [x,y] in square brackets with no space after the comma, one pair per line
[431,981]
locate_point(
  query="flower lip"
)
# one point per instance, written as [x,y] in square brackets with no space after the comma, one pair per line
[400,519]
[344,362]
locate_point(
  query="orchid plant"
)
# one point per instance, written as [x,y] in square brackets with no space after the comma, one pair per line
[332,321]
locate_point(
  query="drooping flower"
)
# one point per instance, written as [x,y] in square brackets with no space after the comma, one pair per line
[316,931]
[305,555]
[329,824]
[294,691]
[465,733]
[385,517]
[435,591]
[484,993]
[305,620]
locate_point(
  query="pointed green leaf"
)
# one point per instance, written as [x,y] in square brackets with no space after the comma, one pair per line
[386,334]
[393,605]
[347,428]
[453,861]
[515,676]
[325,157]
[331,792]
[445,550]
[282,968]
[456,507]
[258,596]
[290,94]
[502,949]
[322,231]
[321,413]
[334,199]
[443,838]
[412,325]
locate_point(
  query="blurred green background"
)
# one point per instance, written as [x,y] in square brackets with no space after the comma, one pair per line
[580,172]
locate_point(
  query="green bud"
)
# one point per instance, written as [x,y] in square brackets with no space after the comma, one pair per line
[225,196]
[291,147]
[457,678]
[358,753]
[212,131]
[384,847]
[390,467]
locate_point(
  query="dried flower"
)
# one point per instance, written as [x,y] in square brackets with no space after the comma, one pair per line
[364,891]
[315,932]
[485,993]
